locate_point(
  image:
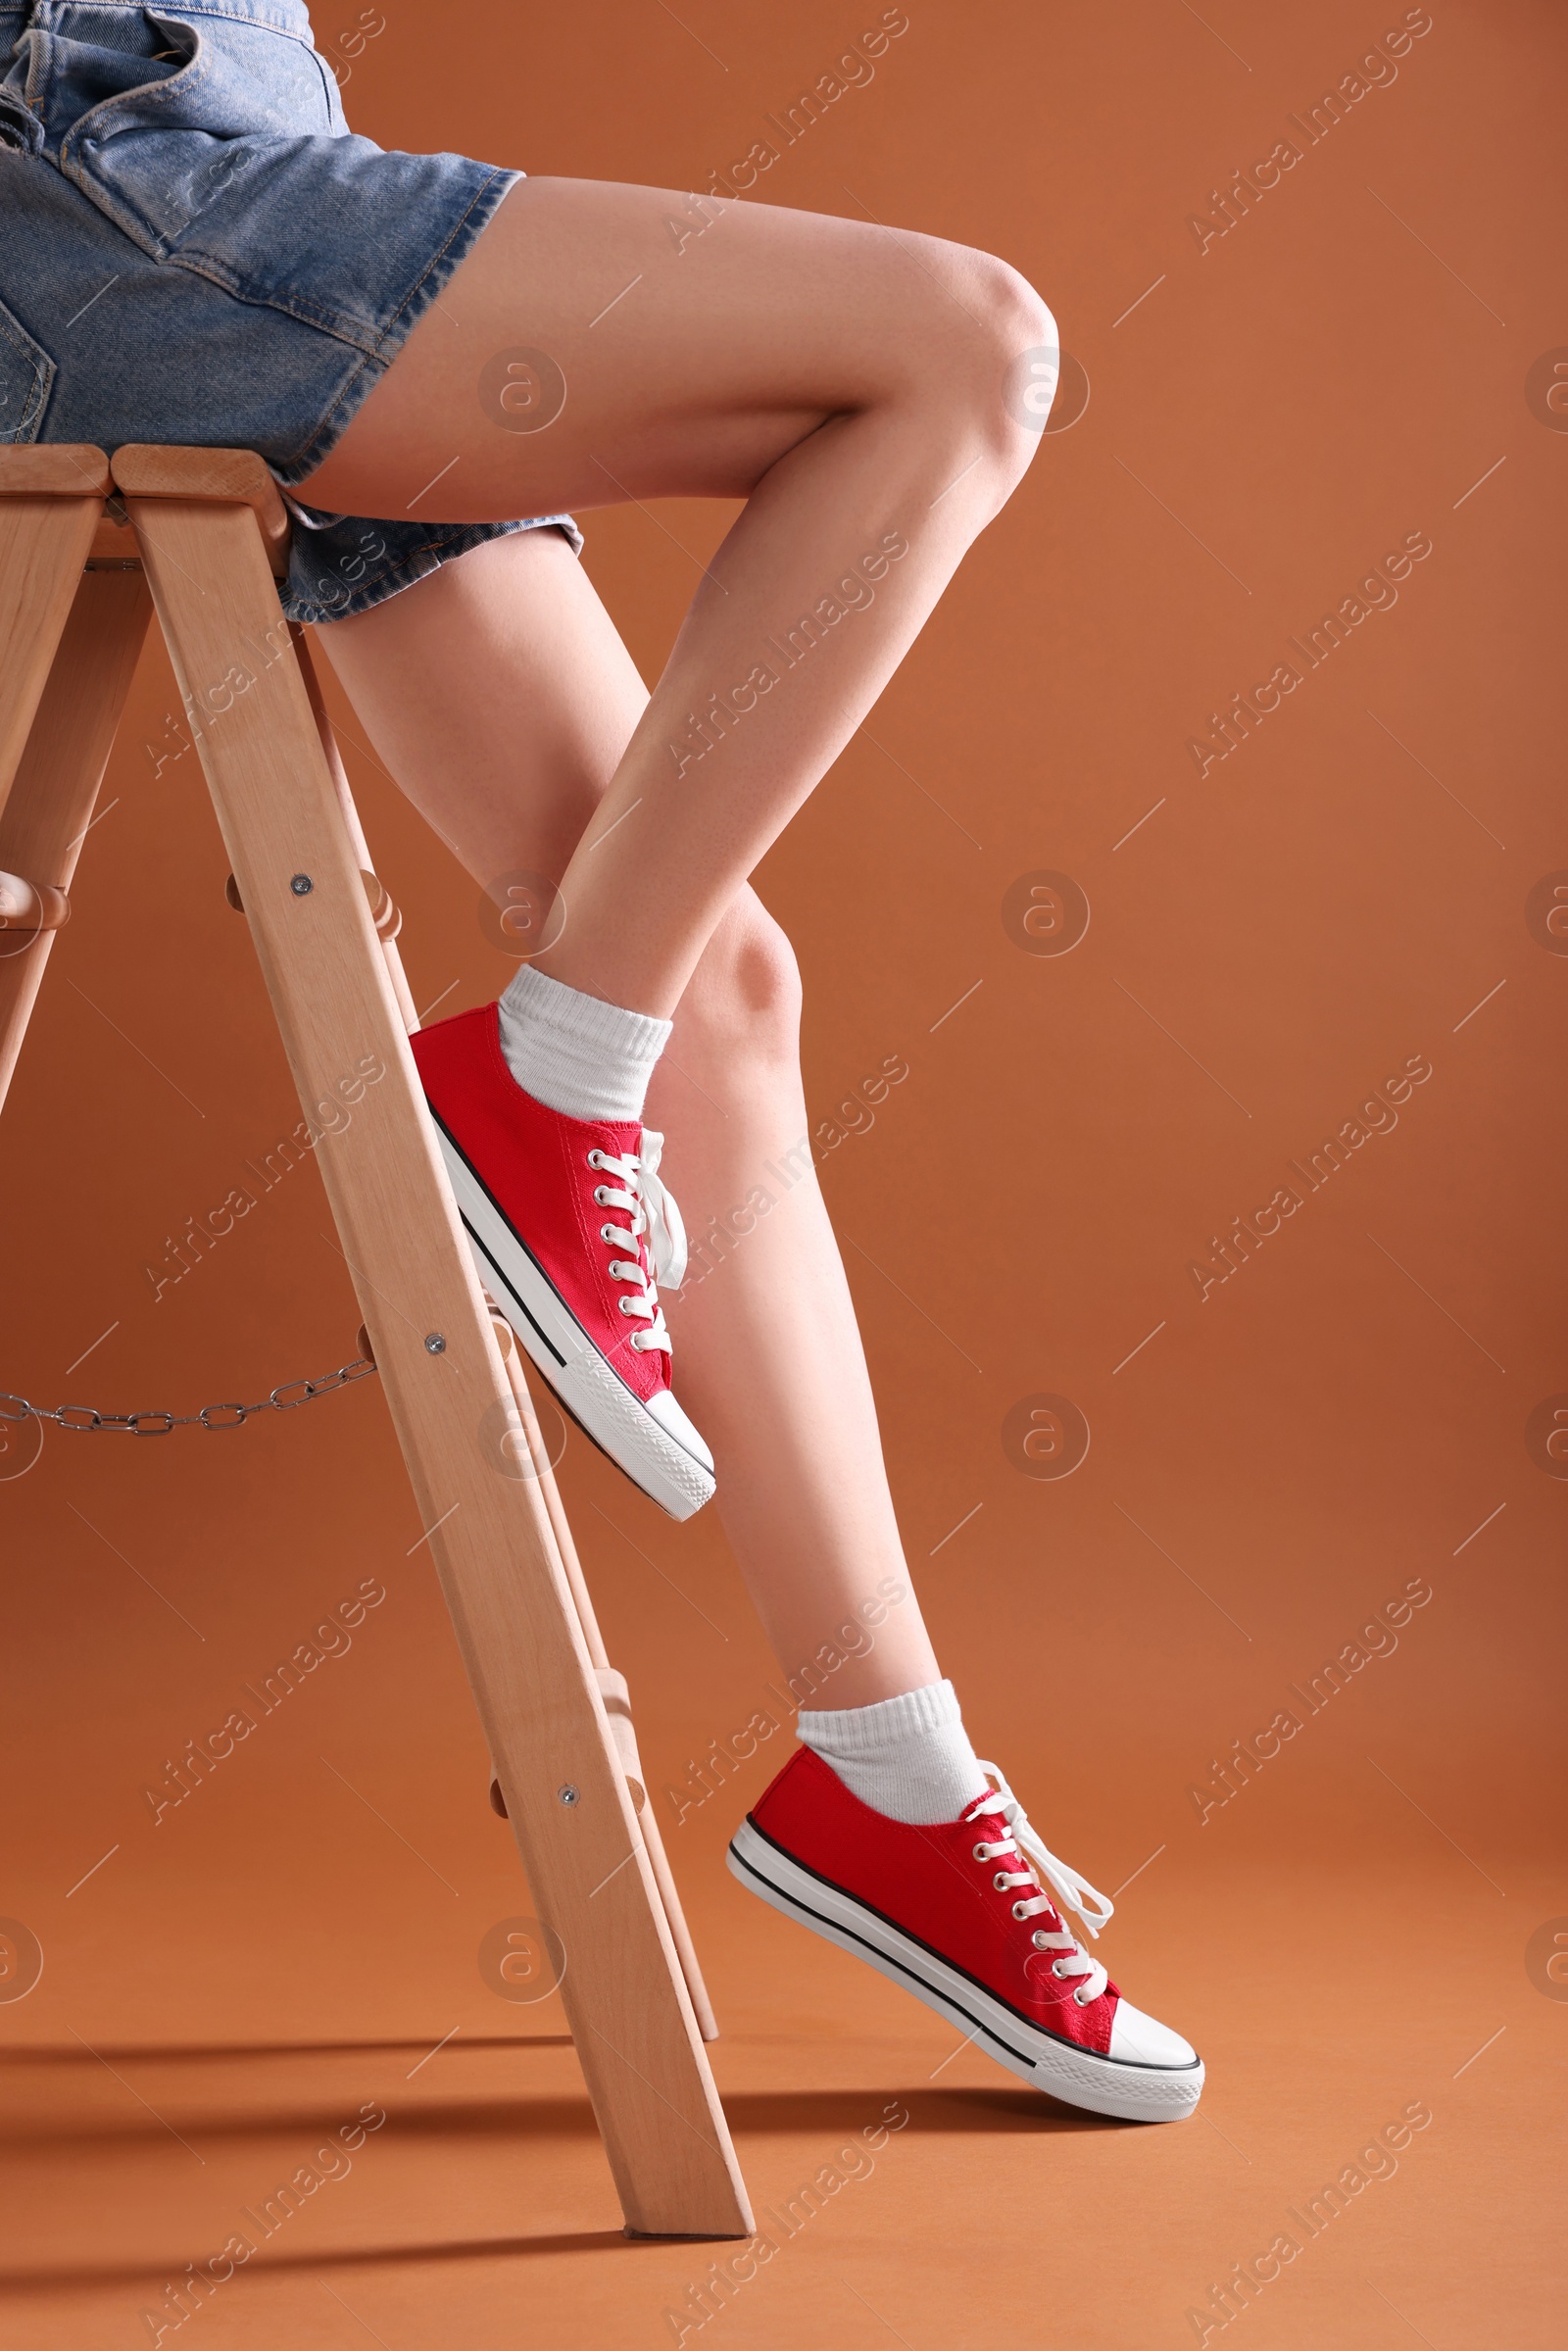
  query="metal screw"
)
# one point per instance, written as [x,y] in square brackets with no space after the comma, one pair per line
[567,1794]
[302,884]
[435,1345]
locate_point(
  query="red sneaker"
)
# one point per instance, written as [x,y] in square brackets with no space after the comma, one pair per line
[982,1945]
[570,1226]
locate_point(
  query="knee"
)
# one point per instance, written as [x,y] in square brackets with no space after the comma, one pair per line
[743,1003]
[1012,317]
[989,320]
[1016,356]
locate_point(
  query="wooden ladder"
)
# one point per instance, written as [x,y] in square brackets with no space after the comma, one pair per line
[206,531]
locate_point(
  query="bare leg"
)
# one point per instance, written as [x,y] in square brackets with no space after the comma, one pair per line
[500,696]
[851,388]
[847,381]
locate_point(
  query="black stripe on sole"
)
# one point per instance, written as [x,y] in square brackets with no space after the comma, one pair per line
[874,1951]
[935,1994]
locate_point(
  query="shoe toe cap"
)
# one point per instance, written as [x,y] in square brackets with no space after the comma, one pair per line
[662,1407]
[1139,2039]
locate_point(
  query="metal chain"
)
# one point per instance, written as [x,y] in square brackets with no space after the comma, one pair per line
[84,1419]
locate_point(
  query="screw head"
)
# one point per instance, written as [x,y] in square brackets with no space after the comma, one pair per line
[567,1794]
[435,1345]
[302,884]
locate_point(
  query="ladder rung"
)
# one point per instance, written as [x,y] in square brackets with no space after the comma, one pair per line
[31,906]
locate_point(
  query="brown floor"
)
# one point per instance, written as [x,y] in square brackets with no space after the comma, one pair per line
[482,2214]
[216,2008]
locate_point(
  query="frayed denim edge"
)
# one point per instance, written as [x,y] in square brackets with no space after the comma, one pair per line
[418,565]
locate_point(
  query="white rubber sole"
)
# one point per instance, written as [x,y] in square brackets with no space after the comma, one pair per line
[670,1470]
[1132,2093]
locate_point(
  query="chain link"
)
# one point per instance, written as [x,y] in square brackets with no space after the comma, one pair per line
[87,1421]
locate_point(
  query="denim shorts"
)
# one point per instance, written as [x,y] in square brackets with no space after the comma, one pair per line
[194,248]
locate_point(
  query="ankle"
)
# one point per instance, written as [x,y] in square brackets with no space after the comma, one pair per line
[574,1052]
[909,1756]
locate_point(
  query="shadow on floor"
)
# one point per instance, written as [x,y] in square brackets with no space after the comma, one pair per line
[77,2053]
[762,2114]
[505,2118]
[823,2115]
[955,2108]
[377,2257]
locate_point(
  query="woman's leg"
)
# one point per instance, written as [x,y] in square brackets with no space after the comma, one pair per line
[499,694]
[850,382]
[851,387]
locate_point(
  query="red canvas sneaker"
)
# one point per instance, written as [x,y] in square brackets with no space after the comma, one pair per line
[571,1227]
[962,1916]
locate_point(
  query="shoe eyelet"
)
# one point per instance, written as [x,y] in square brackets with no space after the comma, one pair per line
[625,1305]
[1081,2000]
[999,1882]
[601,1195]
[1040,1939]
[596,1159]
[982,1852]
[1056,1969]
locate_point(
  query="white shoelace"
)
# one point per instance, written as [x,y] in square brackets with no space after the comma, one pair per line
[648,1207]
[1072,1892]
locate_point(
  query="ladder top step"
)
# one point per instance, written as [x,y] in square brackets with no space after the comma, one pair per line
[236,477]
[146,470]
[53,469]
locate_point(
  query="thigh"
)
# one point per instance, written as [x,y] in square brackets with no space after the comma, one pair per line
[499,696]
[602,342]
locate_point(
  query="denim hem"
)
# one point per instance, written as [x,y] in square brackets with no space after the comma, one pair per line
[438,271]
[406,567]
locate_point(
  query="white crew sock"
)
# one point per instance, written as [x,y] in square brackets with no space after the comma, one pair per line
[575,1053]
[909,1758]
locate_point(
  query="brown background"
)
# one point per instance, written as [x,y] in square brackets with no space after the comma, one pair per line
[1274,1464]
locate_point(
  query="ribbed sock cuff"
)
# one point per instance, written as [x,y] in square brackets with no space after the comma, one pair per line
[863,1729]
[575,1053]
[908,1757]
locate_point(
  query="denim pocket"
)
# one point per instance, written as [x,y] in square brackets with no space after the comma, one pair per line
[165,137]
[26,373]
